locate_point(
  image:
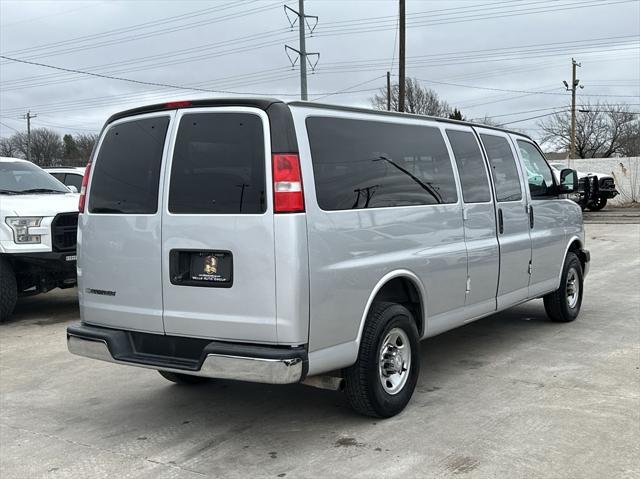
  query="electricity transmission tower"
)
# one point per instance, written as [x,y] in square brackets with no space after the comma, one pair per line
[303,55]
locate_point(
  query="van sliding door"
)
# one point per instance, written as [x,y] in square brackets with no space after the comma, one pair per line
[513,218]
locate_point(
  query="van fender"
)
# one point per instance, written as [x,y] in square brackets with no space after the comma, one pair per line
[345,354]
[399,273]
[566,251]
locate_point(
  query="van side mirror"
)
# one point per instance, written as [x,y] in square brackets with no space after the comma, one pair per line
[568,180]
[72,188]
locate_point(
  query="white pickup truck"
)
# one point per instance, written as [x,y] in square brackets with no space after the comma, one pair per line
[38,226]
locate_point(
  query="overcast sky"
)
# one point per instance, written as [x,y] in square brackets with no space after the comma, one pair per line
[468,51]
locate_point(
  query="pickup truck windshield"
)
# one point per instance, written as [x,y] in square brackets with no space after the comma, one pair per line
[21,178]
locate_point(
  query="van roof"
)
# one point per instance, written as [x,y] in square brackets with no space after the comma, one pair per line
[264,103]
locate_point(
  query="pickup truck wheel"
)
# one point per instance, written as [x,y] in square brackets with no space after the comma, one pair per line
[563,305]
[182,378]
[8,290]
[597,204]
[381,382]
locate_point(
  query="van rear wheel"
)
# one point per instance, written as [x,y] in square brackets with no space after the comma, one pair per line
[382,381]
[179,378]
[563,305]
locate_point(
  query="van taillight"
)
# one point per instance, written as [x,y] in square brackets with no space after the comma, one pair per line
[83,188]
[287,184]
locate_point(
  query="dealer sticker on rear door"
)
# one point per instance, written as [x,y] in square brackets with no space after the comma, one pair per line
[210,267]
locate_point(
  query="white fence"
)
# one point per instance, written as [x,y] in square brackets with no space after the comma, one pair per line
[626,172]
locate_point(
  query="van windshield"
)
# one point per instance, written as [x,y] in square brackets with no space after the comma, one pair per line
[20,178]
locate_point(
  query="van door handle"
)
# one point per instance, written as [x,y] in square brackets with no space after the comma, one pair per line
[531,216]
[500,221]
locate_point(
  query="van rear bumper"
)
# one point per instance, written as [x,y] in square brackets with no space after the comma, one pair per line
[198,357]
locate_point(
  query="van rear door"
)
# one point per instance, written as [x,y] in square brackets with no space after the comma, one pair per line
[217,227]
[119,256]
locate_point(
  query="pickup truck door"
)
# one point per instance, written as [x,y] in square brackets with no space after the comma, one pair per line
[513,218]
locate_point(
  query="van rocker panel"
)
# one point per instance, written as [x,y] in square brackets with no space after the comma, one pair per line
[198,357]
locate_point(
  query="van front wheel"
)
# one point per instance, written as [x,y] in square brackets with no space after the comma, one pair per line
[381,382]
[563,305]
[182,378]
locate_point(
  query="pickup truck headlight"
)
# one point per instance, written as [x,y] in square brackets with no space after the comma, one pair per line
[21,225]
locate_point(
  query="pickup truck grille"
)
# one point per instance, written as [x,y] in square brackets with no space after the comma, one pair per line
[64,231]
[607,183]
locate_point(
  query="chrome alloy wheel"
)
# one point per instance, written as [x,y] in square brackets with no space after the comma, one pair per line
[572,288]
[394,361]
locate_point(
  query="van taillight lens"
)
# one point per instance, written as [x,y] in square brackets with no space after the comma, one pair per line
[83,188]
[287,184]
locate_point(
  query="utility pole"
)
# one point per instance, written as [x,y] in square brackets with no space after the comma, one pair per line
[28,117]
[401,89]
[388,91]
[574,85]
[302,48]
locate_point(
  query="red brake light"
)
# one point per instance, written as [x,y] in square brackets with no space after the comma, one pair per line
[83,188]
[177,104]
[287,184]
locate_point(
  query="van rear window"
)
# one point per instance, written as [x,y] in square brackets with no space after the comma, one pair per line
[372,164]
[218,165]
[126,173]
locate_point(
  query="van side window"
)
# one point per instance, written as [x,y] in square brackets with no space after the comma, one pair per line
[471,166]
[127,171]
[503,168]
[371,164]
[218,165]
[539,175]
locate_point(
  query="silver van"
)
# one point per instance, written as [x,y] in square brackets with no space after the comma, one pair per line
[273,242]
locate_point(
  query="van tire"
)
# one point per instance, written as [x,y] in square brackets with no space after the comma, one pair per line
[364,388]
[182,378]
[557,304]
[8,290]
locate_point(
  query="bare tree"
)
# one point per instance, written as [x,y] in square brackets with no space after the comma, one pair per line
[85,143]
[418,100]
[631,140]
[602,130]
[7,148]
[46,146]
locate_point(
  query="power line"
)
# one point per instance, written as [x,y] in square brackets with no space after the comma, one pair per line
[118,31]
[350,88]
[514,91]
[462,18]
[10,127]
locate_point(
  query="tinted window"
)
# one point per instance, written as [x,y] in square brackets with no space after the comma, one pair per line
[127,170]
[369,164]
[218,165]
[471,167]
[503,168]
[73,180]
[58,176]
[539,174]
